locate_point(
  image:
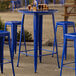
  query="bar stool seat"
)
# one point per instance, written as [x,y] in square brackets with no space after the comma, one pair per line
[71,36]
[68,23]
[13,25]
[13,22]
[65,25]
[2,36]
[3,33]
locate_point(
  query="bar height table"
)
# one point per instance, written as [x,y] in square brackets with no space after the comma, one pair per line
[38,18]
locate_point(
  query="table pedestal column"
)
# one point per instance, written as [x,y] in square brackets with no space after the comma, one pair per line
[40,37]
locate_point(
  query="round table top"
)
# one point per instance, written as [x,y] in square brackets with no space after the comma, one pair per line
[26,11]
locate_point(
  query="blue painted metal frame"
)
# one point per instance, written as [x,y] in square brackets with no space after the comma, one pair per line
[40,36]
[65,25]
[1,54]
[11,55]
[26,3]
[62,1]
[22,31]
[73,37]
[37,34]
[13,25]
[50,51]
[36,18]
[55,38]
[2,36]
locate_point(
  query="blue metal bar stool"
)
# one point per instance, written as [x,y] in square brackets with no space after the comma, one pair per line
[71,36]
[13,25]
[2,36]
[16,4]
[65,25]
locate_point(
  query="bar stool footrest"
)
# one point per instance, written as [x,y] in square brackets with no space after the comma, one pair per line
[68,63]
[6,59]
[9,61]
[24,52]
[69,67]
[64,65]
[48,50]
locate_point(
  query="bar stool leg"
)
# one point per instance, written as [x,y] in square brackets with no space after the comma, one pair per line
[11,55]
[75,54]
[74,26]
[13,5]
[54,1]
[12,36]
[64,32]
[40,38]
[19,47]
[5,27]
[24,41]
[55,39]
[15,38]
[23,16]
[22,31]
[63,55]
[0,56]
[1,53]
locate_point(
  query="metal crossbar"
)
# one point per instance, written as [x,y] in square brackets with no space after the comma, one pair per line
[9,61]
[69,67]
[68,63]
[5,63]
[24,52]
